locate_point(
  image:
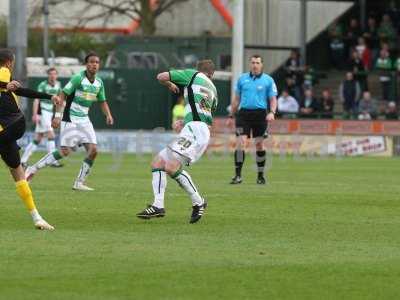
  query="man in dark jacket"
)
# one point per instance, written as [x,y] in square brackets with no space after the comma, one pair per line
[349,93]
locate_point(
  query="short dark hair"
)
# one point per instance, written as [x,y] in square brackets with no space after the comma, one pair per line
[257,56]
[89,55]
[51,70]
[206,66]
[6,55]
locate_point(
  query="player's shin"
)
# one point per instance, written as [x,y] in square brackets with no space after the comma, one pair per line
[239,160]
[25,193]
[260,159]
[29,150]
[47,160]
[51,145]
[185,181]
[159,184]
[85,170]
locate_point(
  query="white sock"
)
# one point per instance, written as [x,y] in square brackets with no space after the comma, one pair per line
[51,146]
[36,216]
[185,181]
[84,171]
[47,160]
[28,152]
[159,185]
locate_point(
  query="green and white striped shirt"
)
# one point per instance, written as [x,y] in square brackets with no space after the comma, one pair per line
[81,95]
[203,94]
[46,87]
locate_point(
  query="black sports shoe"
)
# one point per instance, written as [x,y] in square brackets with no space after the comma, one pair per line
[197,212]
[151,212]
[261,180]
[57,165]
[236,180]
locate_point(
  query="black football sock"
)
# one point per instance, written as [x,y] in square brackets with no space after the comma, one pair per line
[239,160]
[260,158]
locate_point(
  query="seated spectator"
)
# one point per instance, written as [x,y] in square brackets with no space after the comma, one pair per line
[287,104]
[367,108]
[371,34]
[309,106]
[326,104]
[293,89]
[309,78]
[391,111]
[386,31]
[349,93]
[293,64]
[384,66]
[357,67]
[364,53]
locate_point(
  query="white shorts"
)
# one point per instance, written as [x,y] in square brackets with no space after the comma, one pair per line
[190,145]
[44,124]
[74,134]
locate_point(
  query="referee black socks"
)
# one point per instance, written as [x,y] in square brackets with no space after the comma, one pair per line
[260,159]
[239,160]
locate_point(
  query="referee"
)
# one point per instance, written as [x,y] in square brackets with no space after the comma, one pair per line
[255,103]
[12,128]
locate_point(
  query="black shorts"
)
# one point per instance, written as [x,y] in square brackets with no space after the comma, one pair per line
[251,123]
[9,149]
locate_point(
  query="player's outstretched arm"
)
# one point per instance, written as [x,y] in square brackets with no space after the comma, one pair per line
[164,79]
[107,112]
[35,109]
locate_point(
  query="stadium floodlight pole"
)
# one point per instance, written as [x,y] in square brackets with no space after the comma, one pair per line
[46,31]
[17,38]
[303,30]
[237,42]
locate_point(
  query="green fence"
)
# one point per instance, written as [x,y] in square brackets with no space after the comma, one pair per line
[138,101]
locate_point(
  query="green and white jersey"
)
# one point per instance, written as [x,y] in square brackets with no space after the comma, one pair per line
[46,87]
[81,95]
[201,94]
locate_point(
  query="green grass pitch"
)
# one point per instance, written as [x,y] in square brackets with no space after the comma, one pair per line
[321,229]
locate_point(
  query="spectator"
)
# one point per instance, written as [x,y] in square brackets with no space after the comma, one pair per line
[394,13]
[372,36]
[336,45]
[357,67]
[384,65]
[349,93]
[391,111]
[352,34]
[293,64]
[293,89]
[309,78]
[386,30]
[364,53]
[326,104]
[367,108]
[178,111]
[309,105]
[287,104]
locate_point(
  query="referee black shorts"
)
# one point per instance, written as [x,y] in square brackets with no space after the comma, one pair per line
[251,122]
[9,149]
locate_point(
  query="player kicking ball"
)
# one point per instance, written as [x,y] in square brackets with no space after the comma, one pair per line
[79,94]
[200,100]
[42,116]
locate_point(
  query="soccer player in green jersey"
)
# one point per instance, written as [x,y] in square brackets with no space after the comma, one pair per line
[42,115]
[200,100]
[79,94]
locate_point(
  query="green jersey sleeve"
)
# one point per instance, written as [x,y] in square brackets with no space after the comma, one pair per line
[73,84]
[40,87]
[181,77]
[101,96]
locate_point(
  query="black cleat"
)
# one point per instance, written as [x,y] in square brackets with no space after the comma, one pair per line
[151,212]
[57,165]
[261,180]
[197,212]
[236,180]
